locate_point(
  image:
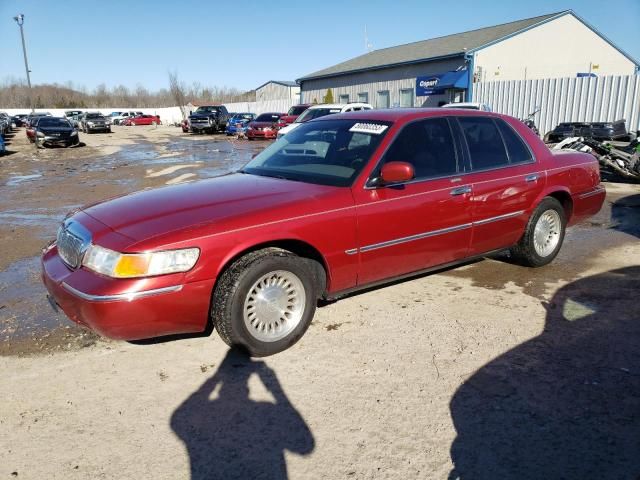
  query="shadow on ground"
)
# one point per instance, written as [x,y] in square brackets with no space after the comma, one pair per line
[234,437]
[566,404]
[625,214]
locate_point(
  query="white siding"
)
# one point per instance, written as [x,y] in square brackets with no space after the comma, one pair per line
[277,91]
[559,48]
[566,99]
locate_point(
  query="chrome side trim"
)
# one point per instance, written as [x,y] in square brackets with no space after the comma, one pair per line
[127,297]
[498,218]
[420,236]
[411,238]
[597,191]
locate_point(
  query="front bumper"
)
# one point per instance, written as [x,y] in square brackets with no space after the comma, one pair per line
[129,309]
[58,140]
[261,133]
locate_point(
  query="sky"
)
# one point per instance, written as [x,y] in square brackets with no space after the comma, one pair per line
[245,43]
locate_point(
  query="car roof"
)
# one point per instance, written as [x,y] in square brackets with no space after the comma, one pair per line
[405,114]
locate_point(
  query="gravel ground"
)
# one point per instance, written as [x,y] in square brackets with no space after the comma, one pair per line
[488,370]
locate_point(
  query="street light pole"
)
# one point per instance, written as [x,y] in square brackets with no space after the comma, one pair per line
[20,21]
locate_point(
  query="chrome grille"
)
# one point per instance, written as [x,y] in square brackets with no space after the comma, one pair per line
[72,241]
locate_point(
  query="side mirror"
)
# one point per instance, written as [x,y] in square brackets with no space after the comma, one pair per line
[396,172]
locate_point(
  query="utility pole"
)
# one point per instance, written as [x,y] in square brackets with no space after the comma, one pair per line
[20,21]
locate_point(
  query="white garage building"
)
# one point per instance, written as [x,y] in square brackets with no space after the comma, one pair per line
[441,70]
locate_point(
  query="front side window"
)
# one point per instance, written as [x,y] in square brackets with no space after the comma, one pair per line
[383,99]
[428,146]
[325,152]
[485,143]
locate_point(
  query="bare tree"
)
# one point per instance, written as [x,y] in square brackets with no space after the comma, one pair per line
[177,92]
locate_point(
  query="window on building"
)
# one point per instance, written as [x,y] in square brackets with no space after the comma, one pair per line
[383,99]
[428,146]
[344,98]
[406,97]
[485,143]
[517,150]
[363,97]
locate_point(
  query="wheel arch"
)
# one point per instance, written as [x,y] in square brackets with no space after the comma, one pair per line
[565,199]
[298,247]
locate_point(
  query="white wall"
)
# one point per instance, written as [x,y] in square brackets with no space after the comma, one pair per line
[559,48]
[168,115]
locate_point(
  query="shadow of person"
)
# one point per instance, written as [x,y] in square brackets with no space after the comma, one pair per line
[234,437]
[566,404]
[625,214]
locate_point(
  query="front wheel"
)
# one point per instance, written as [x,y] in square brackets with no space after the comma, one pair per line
[265,301]
[543,235]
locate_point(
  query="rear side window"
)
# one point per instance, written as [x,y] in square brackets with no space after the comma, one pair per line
[428,146]
[517,150]
[485,143]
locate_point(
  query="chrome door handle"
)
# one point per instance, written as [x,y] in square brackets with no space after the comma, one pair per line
[461,190]
[531,178]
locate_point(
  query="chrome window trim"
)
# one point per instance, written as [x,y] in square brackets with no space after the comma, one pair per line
[128,297]
[432,233]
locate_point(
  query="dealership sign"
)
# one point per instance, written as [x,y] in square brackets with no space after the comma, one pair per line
[427,85]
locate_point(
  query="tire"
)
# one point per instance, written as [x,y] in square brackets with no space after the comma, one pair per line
[238,313]
[548,223]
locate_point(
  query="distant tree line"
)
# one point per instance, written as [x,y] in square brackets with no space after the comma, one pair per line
[14,93]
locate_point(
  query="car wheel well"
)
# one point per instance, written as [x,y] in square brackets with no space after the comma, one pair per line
[565,200]
[298,248]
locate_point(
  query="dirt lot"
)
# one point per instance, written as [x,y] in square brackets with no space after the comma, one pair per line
[487,371]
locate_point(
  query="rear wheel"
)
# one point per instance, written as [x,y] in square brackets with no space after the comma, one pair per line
[264,301]
[543,235]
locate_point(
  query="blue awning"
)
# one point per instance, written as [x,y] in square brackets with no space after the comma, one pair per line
[436,84]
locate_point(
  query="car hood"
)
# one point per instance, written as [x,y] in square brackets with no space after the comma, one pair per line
[210,206]
[289,118]
[288,128]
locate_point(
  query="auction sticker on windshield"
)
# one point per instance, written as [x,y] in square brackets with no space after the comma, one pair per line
[371,128]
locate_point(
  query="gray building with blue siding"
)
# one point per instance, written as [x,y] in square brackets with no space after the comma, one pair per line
[443,70]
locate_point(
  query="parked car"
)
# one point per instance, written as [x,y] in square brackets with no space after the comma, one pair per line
[71,114]
[5,123]
[616,130]
[266,126]
[118,119]
[35,115]
[142,120]
[209,119]
[94,122]
[294,112]
[19,119]
[50,131]
[483,107]
[238,123]
[30,131]
[342,203]
[317,111]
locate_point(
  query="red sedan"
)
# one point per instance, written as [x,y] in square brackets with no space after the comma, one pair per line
[142,120]
[294,112]
[341,203]
[265,126]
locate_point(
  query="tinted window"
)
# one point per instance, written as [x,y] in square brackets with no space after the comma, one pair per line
[267,117]
[485,143]
[428,146]
[517,150]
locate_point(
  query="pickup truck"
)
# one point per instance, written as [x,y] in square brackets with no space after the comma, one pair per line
[209,119]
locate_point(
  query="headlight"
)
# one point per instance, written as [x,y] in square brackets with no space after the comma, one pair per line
[75,132]
[131,265]
[90,124]
[39,134]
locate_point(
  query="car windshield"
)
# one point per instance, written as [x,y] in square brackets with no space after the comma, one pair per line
[268,117]
[312,113]
[328,152]
[297,110]
[207,109]
[242,116]
[94,115]
[53,122]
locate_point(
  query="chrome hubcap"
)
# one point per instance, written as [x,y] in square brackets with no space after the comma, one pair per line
[274,306]
[547,233]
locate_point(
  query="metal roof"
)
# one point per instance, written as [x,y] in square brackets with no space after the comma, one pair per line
[448,46]
[286,83]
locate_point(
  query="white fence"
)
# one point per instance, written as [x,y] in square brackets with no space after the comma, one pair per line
[588,99]
[170,115]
